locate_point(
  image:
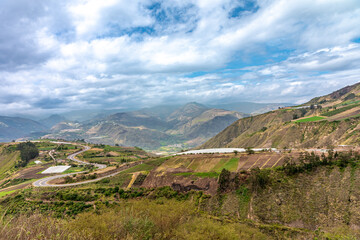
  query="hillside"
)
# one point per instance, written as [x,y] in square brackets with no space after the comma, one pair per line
[169,128]
[8,159]
[15,127]
[325,121]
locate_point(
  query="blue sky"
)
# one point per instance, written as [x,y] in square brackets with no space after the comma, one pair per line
[57,56]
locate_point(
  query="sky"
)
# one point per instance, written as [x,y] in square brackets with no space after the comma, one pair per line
[57,56]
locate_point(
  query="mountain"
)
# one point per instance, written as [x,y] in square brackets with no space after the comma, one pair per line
[182,126]
[161,111]
[90,114]
[15,127]
[325,121]
[52,120]
[251,107]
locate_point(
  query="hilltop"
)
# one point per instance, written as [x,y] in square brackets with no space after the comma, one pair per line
[324,121]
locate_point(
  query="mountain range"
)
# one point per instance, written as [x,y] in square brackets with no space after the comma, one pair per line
[179,125]
[151,128]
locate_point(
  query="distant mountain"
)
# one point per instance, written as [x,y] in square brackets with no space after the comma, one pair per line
[161,111]
[89,114]
[187,112]
[326,121]
[187,125]
[251,107]
[52,120]
[12,128]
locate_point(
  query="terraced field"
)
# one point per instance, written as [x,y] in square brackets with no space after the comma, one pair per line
[202,163]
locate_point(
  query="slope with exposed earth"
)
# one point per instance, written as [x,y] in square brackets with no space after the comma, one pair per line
[325,121]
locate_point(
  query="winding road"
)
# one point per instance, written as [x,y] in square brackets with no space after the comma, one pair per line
[44,181]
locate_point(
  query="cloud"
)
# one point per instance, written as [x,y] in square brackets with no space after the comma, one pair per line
[59,55]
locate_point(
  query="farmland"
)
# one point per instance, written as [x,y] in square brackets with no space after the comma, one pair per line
[310,119]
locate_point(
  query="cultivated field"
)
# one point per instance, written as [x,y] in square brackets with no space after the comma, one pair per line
[230,161]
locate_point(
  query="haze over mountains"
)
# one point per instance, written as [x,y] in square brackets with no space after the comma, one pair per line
[190,124]
[322,122]
[153,127]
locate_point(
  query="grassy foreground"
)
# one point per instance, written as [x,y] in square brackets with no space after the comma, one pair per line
[132,219]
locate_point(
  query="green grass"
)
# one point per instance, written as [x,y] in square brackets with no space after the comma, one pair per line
[200,174]
[3,194]
[228,164]
[340,110]
[232,164]
[310,119]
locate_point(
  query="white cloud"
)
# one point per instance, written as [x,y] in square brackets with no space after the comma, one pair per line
[85,53]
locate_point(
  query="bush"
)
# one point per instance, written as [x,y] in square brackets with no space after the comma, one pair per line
[224,180]
[259,178]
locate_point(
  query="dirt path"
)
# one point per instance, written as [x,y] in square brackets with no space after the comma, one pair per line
[133,178]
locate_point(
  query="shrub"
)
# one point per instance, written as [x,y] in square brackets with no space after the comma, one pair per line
[224,180]
[259,178]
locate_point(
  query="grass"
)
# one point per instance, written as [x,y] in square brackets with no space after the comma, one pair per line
[228,164]
[144,219]
[310,119]
[232,164]
[339,110]
[3,194]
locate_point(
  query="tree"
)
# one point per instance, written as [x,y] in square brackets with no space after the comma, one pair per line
[28,151]
[224,180]
[249,151]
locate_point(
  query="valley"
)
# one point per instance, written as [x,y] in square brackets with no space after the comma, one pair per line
[180,120]
[229,189]
[291,173]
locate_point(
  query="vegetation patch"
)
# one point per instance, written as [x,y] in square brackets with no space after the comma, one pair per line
[28,151]
[3,194]
[310,119]
[228,164]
